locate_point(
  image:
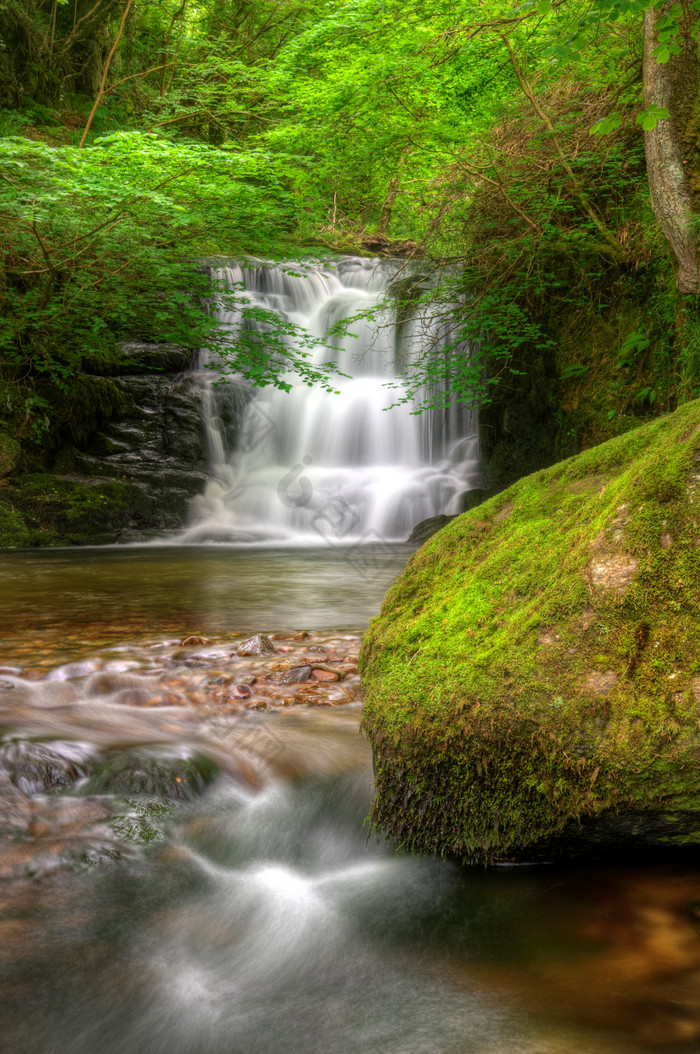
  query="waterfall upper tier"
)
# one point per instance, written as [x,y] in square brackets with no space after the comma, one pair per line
[308,465]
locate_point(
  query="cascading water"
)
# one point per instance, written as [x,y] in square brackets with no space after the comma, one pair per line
[309,465]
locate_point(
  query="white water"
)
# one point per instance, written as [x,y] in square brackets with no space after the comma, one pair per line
[309,466]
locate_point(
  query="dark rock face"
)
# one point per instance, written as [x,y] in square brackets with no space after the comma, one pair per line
[157,444]
[127,466]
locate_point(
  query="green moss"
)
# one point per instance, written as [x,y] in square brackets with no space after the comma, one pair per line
[14,534]
[73,511]
[79,410]
[512,690]
[10,452]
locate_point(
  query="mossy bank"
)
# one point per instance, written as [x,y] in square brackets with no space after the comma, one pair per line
[533,679]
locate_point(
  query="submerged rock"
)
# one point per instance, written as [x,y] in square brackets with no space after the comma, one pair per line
[532,683]
[153,773]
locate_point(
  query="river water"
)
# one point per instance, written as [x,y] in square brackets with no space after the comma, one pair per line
[185,866]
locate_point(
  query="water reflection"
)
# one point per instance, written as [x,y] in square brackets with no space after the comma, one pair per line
[68,600]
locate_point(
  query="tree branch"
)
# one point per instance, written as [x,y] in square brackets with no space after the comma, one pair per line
[105,72]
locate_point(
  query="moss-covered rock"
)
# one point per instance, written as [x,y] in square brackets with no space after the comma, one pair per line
[10,452]
[14,533]
[533,679]
[55,510]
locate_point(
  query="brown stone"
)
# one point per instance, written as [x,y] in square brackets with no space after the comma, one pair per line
[194,642]
[324,675]
[257,645]
[297,675]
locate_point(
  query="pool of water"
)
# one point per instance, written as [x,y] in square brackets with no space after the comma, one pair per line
[185,865]
[58,602]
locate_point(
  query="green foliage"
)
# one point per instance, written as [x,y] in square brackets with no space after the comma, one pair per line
[237,128]
[102,244]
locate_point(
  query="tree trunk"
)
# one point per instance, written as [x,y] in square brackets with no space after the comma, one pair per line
[391,194]
[673,163]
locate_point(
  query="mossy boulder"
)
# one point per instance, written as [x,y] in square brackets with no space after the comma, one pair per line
[41,509]
[10,453]
[532,682]
[14,533]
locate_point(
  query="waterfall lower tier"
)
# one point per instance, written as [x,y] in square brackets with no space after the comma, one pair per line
[306,466]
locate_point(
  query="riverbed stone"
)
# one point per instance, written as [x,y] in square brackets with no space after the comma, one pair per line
[297,675]
[257,645]
[530,683]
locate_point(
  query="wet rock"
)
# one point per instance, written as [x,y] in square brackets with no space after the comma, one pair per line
[427,528]
[298,675]
[119,666]
[71,669]
[194,642]
[15,808]
[242,691]
[34,673]
[35,767]
[324,675]
[257,645]
[125,773]
[110,683]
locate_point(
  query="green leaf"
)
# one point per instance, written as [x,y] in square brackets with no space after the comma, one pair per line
[605,125]
[651,117]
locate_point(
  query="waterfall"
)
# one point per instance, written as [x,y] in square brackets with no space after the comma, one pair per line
[307,465]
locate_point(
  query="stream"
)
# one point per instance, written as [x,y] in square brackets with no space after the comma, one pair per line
[185,865]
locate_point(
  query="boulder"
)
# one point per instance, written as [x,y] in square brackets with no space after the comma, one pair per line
[532,682]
